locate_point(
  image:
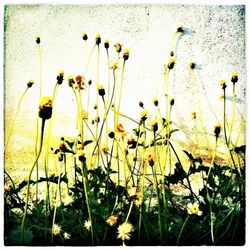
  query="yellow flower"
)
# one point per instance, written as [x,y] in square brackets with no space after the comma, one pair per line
[114,65]
[194,209]
[118,47]
[112,219]
[56,229]
[60,76]
[85,115]
[71,80]
[193,115]
[66,236]
[81,155]
[124,231]
[87,224]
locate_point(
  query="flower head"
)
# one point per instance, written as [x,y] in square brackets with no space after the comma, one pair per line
[45,107]
[87,224]
[126,53]
[84,36]
[194,209]
[118,47]
[150,160]
[30,83]
[80,81]
[181,28]
[66,236]
[124,231]
[56,229]
[112,219]
[234,78]
[192,65]
[119,128]
[114,65]
[172,102]
[111,134]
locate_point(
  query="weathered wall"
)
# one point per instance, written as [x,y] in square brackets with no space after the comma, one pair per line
[216,43]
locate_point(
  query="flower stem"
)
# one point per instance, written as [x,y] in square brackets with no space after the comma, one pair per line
[181,231]
[29,177]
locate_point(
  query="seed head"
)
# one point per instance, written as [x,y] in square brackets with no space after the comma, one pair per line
[141,104]
[111,135]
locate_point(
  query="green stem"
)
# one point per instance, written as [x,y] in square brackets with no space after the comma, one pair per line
[13,122]
[181,231]
[29,177]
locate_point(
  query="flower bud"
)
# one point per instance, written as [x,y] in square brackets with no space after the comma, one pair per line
[101,90]
[154,125]
[156,102]
[81,155]
[111,135]
[144,115]
[84,36]
[171,63]
[234,78]
[172,102]
[106,44]
[150,161]
[38,39]
[30,83]
[217,129]
[71,81]
[45,108]
[223,84]
[60,77]
[192,65]
[97,39]
[126,54]
[141,104]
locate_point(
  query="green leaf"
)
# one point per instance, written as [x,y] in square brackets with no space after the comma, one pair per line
[87,142]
